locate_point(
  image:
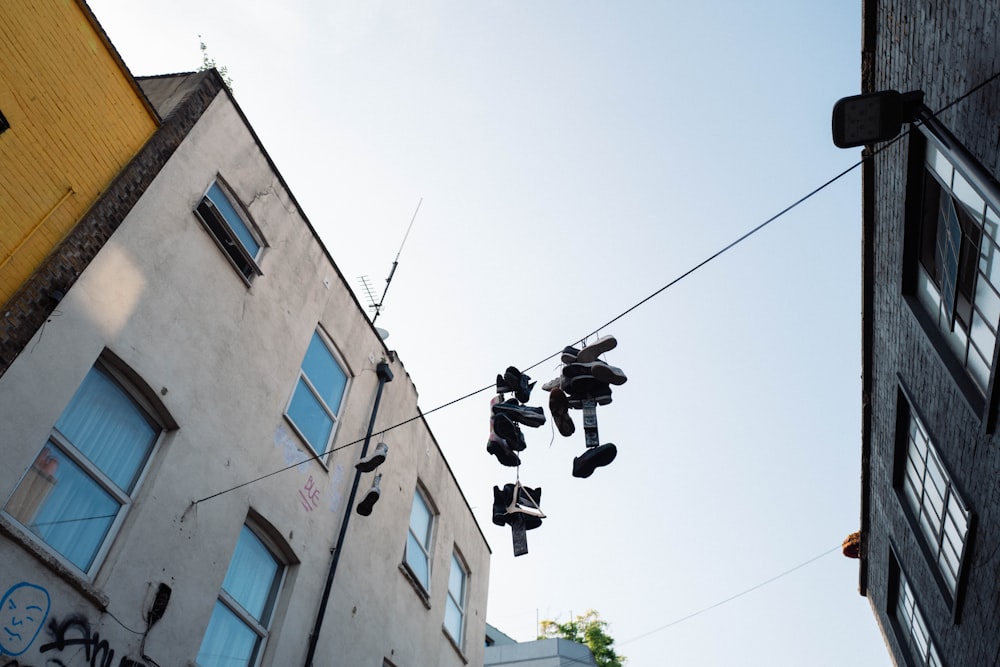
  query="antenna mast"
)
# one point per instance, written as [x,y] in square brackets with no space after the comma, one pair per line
[395,263]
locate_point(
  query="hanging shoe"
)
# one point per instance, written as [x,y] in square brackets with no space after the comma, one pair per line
[502,386]
[366,504]
[554,383]
[522,414]
[506,429]
[583,387]
[374,460]
[505,455]
[597,370]
[559,409]
[518,382]
[597,348]
[595,457]
[501,501]
[569,354]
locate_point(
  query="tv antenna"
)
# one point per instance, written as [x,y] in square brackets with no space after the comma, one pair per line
[364,279]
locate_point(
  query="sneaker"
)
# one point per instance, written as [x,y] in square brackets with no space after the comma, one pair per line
[600,399]
[584,386]
[506,429]
[374,460]
[559,408]
[595,457]
[522,414]
[366,504]
[597,370]
[597,348]
[501,501]
[505,455]
[502,386]
[518,382]
[569,354]
[530,500]
[554,383]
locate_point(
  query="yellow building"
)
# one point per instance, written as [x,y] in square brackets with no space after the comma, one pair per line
[71,118]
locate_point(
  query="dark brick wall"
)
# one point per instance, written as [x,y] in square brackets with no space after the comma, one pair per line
[28,309]
[944,49]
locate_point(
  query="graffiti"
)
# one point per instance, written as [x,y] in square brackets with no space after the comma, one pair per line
[74,631]
[22,612]
[309,495]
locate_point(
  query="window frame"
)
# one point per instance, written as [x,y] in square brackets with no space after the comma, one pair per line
[153,412]
[459,561]
[423,589]
[919,286]
[901,589]
[914,508]
[281,556]
[301,376]
[226,237]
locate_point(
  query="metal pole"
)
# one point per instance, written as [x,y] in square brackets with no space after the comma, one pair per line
[384,375]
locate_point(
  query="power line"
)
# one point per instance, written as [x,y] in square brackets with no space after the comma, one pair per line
[866,156]
[731,597]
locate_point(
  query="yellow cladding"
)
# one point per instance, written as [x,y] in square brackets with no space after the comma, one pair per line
[76,119]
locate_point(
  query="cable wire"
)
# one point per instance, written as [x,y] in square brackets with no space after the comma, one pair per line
[867,155]
[730,598]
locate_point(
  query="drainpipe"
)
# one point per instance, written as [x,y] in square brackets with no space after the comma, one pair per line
[384,375]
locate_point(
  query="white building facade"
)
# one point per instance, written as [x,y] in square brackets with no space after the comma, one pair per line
[210,343]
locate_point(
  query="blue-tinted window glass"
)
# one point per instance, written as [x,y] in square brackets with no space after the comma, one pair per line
[454,610]
[417,560]
[325,373]
[228,641]
[318,395]
[233,219]
[63,505]
[309,416]
[419,539]
[106,426]
[252,575]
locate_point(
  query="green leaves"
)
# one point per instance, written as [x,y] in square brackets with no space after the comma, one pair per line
[590,630]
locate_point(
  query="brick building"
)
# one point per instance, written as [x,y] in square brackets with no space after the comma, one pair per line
[930,534]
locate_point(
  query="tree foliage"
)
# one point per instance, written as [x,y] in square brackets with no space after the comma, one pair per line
[590,630]
[208,63]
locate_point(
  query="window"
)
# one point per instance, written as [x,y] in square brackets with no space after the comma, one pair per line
[418,541]
[76,493]
[454,610]
[911,621]
[232,229]
[958,279]
[935,505]
[315,404]
[239,625]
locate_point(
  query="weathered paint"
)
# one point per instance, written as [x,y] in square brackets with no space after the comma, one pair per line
[76,118]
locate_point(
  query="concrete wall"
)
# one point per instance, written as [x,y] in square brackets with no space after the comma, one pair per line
[943,49]
[540,653]
[223,359]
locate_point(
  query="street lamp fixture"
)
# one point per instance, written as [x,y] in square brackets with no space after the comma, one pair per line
[874,117]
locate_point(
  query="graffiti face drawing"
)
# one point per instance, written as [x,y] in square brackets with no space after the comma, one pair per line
[22,611]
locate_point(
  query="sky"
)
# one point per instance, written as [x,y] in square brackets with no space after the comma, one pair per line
[570,158]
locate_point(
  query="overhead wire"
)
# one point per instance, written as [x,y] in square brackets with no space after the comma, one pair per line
[866,155]
[730,598]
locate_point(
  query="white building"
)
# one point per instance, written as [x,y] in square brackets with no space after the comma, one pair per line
[210,342]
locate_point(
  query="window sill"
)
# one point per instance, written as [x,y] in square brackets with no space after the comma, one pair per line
[454,645]
[12,531]
[417,586]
